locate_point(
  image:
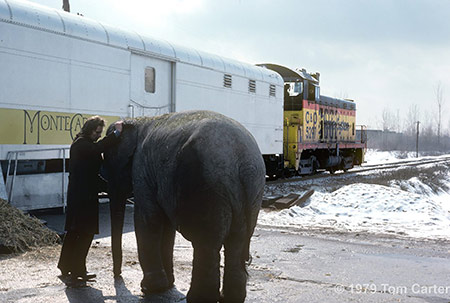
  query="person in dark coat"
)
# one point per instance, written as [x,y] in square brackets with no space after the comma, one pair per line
[82,198]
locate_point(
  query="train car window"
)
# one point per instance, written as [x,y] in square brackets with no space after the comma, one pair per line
[150,80]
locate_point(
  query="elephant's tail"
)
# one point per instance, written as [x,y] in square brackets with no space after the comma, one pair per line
[253,180]
[251,218]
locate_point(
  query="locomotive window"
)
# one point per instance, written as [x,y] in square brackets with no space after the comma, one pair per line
[311,92]
[150,80]
[317,92]
[295,89]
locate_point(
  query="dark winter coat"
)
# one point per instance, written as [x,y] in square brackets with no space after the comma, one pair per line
[82,193]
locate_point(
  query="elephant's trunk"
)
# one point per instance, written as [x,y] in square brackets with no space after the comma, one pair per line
[117,212]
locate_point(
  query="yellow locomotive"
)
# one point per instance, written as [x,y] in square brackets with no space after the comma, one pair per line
[319,132]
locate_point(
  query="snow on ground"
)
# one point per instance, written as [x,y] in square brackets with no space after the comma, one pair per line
[405,207]
[374,156]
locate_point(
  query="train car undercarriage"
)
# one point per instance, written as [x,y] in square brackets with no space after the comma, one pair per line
[315,160]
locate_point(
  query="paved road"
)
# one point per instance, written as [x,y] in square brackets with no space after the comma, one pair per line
[318,267]
[288,266]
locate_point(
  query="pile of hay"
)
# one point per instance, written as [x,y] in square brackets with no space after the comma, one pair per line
[20,232]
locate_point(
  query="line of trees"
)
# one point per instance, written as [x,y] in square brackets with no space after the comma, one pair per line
[399,128]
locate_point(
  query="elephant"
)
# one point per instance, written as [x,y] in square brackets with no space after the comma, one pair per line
[196,172]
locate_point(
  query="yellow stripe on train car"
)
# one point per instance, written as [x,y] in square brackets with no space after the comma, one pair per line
[41,127]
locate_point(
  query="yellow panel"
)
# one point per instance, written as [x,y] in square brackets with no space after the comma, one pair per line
[345,126]
[352,130]
[41,127]
[311,125]
[291,136]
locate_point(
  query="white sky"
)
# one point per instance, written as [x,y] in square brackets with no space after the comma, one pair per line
[384,54]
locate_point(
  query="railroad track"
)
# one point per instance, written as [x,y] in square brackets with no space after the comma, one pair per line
[365,168]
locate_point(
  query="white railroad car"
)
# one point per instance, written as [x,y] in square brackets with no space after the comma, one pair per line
[57,69]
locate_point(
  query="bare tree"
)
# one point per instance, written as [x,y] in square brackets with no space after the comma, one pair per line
[387,120]
[397,121]
[439,93]
[448,129]
[427,130]
[412,117]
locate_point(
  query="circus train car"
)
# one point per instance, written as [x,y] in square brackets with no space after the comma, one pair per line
[319,132]
[58,69]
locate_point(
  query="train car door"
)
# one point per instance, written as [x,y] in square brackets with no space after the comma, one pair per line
[151,86]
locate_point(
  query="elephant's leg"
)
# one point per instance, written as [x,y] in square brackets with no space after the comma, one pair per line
[149,223]
[205,282]
[235,273]
[168,242]
[117,213]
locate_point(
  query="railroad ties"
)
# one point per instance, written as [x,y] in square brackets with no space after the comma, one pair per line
[282,202]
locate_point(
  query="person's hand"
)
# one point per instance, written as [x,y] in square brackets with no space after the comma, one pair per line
[118,125]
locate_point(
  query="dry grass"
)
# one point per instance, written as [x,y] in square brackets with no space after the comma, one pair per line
[435,177]
[20,232]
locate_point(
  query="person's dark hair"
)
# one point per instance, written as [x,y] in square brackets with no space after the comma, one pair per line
[91,125]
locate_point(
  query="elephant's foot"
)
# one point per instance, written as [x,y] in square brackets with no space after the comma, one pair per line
[234,285]
[155,282]
[203,295]
[232,298]
[148,290]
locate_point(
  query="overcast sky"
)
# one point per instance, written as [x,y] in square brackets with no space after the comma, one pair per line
[384,54]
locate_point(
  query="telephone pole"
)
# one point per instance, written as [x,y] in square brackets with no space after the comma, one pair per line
[417,140]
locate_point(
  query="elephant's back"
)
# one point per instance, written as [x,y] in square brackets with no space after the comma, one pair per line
[216,132]
[216,137]
[204,147]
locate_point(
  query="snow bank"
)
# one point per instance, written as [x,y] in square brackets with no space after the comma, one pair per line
[372,208]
